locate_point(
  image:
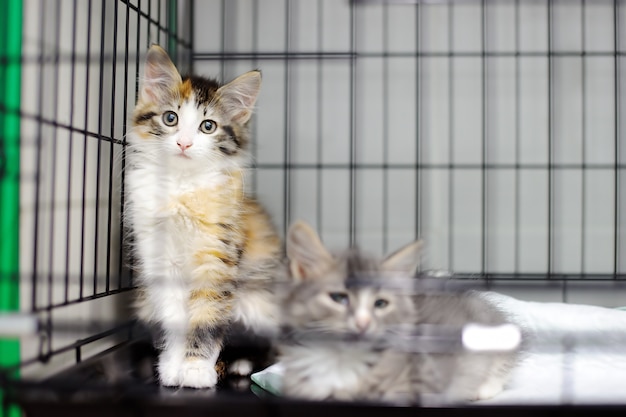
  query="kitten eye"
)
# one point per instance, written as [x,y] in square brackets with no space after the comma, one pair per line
[381,303]
[170,118]
[339,297]
[208,126]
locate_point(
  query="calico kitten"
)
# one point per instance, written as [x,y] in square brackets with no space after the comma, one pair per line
[350,324]
[204,249]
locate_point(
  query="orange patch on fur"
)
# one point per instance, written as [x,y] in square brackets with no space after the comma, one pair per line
[185,90]
[204,294]
[261,242]
[220,368]
[227,261]
[209,207]
[208,255]
[208,312]
[207,274]
[221,262]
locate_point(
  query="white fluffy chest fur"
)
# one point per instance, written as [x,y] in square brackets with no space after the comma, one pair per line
[326,371]
[164,237]
[152,190]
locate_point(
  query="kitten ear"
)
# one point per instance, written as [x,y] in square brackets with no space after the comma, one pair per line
[405,260]
[239,95]
[160,75]
[307,255]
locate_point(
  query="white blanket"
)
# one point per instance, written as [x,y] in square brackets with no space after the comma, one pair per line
[576,355]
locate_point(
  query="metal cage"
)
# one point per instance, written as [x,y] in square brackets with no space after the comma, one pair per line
[491,129]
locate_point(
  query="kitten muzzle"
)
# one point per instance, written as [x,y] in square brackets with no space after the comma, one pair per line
[362,324]
[184,144]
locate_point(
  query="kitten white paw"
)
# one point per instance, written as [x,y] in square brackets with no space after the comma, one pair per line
[169,372]
[198,373]
[241,367]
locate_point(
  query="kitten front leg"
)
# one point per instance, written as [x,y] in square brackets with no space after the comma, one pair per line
[171,358]
[192,332]
[203,346]
[189,360]
[208,319]
[163,302]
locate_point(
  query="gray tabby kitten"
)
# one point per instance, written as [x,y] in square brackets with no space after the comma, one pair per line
[350,326]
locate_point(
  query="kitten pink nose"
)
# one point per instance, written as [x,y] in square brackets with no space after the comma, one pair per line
[362,323]
[184,145]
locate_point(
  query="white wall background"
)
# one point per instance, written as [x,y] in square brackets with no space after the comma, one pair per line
[436,102]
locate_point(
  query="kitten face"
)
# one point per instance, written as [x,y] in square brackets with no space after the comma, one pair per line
[349,294]
[192,122]
[341,301]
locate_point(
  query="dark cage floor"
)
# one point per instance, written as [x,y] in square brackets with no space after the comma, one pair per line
[82,391]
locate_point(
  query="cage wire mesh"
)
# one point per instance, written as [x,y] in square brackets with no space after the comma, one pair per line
[80,63]
[490,129]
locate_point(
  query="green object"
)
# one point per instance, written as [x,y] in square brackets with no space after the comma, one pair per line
[269,380]
[172,23]
[10,84]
